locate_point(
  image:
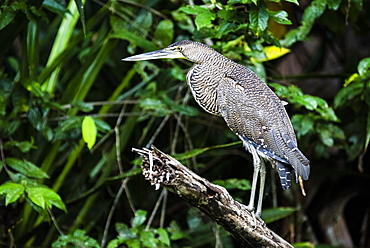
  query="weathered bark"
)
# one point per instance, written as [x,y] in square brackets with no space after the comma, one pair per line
[162,170]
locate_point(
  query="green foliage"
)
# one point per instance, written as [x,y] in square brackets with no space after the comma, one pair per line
[77,239]
[62,86]
[311,13]
[41,196]
[45,198]
[89,131]
[271,215]
[138,235]
[353,101]
[234,183]
[306,245]
[12,191]
[26,168]
[204,16]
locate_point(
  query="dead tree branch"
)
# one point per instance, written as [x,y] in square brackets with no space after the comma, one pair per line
[213,200]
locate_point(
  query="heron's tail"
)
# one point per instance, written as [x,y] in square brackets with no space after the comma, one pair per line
[285,174]
[296,158]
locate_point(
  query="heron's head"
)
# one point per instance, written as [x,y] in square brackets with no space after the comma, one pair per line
[185,49]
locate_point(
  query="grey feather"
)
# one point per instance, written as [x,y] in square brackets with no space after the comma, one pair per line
[250,108]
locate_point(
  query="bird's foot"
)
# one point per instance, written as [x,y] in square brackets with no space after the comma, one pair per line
[250,208]
[256,218]
[260,220]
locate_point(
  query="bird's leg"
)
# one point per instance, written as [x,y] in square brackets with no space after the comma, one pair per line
[257,165]
[262,187]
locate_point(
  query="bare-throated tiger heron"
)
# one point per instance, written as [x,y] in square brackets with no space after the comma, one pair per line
[250,108]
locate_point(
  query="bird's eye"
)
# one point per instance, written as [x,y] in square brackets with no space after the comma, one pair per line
[179,49]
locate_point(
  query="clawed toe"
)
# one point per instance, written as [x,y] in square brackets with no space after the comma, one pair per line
[257,220]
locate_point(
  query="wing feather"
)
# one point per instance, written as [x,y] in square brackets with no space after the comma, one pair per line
[256,115]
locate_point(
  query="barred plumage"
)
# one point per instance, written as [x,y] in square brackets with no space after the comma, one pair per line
[250,108]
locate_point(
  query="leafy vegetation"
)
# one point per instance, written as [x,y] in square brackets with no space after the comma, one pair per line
[70,112]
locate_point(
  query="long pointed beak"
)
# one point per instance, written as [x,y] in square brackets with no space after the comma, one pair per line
[160,54]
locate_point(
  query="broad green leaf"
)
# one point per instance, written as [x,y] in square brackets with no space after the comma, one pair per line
[303,123]
[163,236]
[36,197]
[52,198]
[26,168]
[258,17]
[164,32]
[45,197]
[363,66]
[34,116]
[307,101]
[148,239]
[234,183]
[280,17]
[6,17]
[271,215]
[327,113]
[12,191]
[89,131]
[273,52]
[139,219]
[204,16]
